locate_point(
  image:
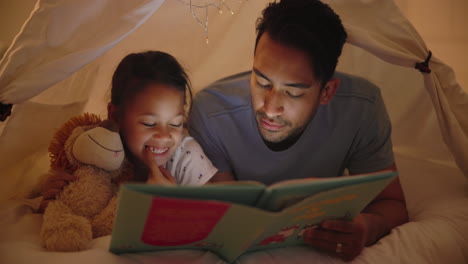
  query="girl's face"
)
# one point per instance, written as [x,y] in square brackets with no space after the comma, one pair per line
[151,123]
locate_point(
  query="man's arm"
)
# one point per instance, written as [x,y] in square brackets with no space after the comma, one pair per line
[386,211]
[222,177]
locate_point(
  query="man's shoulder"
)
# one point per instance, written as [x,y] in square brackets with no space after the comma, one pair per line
[356,87]
[225,95]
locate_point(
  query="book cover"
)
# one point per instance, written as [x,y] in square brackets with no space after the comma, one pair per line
[231,219]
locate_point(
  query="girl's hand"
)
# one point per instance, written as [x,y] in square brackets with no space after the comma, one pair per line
[157,174]
[54,185]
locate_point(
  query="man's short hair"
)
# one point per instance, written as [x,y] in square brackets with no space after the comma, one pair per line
[309,26]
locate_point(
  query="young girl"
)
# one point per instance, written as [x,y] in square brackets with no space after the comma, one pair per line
[149,98]
[149,102]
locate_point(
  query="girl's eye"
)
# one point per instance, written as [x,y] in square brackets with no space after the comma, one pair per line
[294,95]
[148,124]
[176,125]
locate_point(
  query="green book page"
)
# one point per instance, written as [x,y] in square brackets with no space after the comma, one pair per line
[246,193]
[341,203]
[237,231]
[146,222]
[132,212]
[284,194]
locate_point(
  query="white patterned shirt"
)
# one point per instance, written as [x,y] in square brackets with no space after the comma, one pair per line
[189,164]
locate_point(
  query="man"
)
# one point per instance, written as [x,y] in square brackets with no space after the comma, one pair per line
[292,116]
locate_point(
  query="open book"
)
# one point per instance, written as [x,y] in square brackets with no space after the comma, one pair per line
[233,218]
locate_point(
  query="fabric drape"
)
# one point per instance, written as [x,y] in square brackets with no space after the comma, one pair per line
[61,62]
[60,37]
[395,40]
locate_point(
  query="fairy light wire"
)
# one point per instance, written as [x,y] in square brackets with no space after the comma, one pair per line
[205,5]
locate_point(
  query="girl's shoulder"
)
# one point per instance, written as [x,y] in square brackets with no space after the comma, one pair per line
[189,143]
[188,149]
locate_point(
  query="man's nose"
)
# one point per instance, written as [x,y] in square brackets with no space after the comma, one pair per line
[273,105]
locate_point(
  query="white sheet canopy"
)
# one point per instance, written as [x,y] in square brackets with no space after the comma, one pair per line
[60,64]
[61,61]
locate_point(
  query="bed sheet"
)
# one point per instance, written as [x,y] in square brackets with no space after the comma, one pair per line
[437,199]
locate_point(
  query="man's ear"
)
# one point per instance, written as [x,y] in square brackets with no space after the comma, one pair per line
[112,112]
[329,90]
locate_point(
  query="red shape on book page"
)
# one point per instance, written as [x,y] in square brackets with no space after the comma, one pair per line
[174,222]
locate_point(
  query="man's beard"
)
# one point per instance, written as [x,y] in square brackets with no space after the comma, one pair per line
[285,141]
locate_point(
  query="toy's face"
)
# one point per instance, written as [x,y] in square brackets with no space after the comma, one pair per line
[151,123]
[100,147]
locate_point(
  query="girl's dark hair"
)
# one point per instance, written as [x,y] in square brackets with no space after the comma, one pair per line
[309,26]
[137,70]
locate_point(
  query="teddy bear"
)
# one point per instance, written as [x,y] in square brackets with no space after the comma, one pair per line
[88,148]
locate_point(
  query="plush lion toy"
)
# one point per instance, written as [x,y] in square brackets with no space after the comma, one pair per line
[85,209]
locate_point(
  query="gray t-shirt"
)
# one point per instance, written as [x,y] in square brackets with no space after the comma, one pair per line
[351,132]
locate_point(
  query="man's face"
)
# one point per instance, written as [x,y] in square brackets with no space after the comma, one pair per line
[285,93]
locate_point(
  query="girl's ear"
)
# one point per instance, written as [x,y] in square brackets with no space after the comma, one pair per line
[329,90]
[112,112]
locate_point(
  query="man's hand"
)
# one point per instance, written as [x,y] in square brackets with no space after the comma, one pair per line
[347,239]
[157,174]
[54,184]
[340,238]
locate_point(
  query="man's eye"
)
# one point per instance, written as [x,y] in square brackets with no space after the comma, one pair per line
[294,95]
[264,86]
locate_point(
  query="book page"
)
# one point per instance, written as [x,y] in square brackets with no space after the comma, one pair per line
[290,192]
[175,222]
[146,222]
[340,203]
[241,193]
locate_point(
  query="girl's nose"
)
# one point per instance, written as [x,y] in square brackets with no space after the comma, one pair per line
[162,133]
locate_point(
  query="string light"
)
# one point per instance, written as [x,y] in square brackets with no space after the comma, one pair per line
[204,5]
